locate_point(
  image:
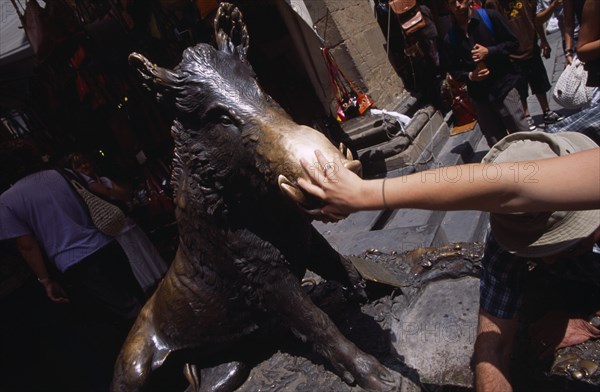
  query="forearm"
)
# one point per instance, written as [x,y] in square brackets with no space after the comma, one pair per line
[541,32]
[32,254]
[543,16]
[569,18]
[566,183]
[588,46]
[539,25]
[507,187]
[588,51]
[116,192]
[122,193]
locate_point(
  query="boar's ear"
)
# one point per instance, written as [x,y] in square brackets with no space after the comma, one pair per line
[158,80]
[230,31]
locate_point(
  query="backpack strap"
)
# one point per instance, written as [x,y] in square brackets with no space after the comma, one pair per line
[486,19]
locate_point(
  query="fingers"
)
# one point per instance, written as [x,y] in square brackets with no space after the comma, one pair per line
[311,188]
[324,170]
[309,170]
[324,166]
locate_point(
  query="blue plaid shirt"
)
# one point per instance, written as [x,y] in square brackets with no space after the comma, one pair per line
[504,277]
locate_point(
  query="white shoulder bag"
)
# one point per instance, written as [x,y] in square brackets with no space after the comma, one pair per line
[570,91]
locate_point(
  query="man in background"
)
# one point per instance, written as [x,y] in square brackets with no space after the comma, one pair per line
[520,16]
[476,51]
[71,259]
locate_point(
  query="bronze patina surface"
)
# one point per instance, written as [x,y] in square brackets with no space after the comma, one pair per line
[244,241]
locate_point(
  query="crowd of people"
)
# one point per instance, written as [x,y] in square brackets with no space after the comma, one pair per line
[496,48]
[95,279]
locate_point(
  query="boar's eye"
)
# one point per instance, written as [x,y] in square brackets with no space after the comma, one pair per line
[225,120]
[219,115]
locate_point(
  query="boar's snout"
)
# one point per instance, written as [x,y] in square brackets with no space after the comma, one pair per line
[302,144]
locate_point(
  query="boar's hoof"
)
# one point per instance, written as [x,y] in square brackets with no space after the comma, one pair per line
[368,373]
[221,378]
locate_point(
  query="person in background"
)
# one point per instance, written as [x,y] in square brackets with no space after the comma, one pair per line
[587,120]
[550,11]
[49,224]
[146,263]
[588,45]
[528,58]
[478,55]
[573,13]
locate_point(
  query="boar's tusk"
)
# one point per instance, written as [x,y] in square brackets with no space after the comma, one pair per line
[290,190]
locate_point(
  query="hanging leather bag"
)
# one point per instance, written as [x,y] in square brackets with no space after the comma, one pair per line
[408,14]
[403,7]
[415,23]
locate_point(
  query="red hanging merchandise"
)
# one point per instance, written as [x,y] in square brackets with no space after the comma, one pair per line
[351,101]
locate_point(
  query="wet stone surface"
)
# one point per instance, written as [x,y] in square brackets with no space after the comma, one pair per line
[293,367]
[432,358]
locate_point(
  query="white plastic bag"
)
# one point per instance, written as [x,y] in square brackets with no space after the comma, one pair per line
[570,91]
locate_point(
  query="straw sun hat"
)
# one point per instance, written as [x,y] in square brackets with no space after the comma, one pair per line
[544,233]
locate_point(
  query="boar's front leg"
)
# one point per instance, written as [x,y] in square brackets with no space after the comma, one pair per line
[328,263]
[284,295]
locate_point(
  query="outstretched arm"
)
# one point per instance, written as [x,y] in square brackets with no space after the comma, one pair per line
[569,182]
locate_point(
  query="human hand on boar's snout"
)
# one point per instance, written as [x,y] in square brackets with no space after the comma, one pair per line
[330,181]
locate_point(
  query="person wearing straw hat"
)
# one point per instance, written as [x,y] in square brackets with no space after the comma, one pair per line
[561,242]
[544,194]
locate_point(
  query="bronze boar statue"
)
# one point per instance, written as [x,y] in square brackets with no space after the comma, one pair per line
[244,241]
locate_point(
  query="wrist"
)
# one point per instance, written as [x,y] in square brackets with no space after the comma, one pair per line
[569,52]
[44,281]
[384,201]
[470,76]
[369,197]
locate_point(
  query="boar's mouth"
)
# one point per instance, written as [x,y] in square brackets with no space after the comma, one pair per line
[310,204]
